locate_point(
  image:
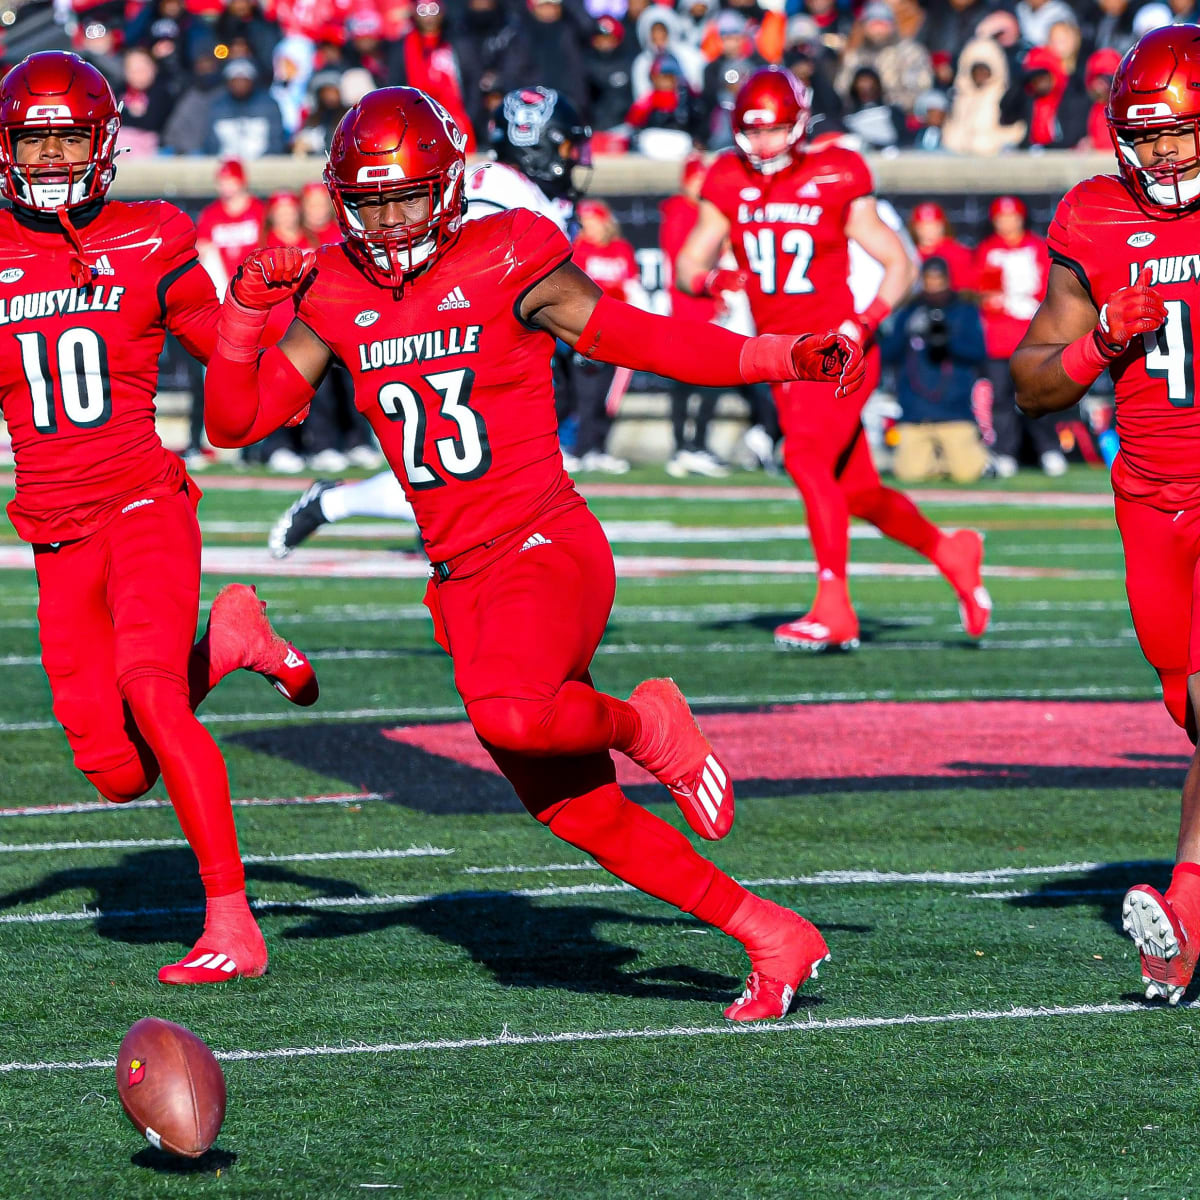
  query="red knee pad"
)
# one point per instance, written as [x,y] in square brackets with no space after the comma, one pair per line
[518,726]
[123,783]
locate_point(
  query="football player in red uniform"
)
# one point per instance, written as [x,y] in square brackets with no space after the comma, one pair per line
[448,327]
[789,213]
[1124,297]
[88,288]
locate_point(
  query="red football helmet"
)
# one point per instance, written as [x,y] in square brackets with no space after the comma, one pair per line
[1157,86]
[770,97]
[58,91]
[397,139]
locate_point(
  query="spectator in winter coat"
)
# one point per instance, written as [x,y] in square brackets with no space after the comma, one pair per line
[724,76]
[146,104]
[1034,18]
[365,47]
[426,59]
[293,66]
[187,127]
[814,65]
[936,344]
[327,109]
[930,112]
[658,32]
[974,125]
[246,122]
[933,238]
[550,44]
[482,38]
[1108,25]
[669,118]
[879,125]
[1054,107]
[1098,74]
[695,22]
[902,64]
[243,21]
[609,61]
[950,24]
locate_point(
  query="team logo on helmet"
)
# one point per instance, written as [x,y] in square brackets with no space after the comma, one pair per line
[527,111]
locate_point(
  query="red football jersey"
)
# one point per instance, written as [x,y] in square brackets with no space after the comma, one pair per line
[1020,274]
[788,231]
[1105,238]
[678,216]
[79,373]
[457,388]
[611,266]
[233,237]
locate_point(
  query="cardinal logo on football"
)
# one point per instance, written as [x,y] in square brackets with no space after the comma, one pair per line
[137,1071]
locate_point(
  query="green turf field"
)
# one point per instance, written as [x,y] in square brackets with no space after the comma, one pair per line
[458,1006]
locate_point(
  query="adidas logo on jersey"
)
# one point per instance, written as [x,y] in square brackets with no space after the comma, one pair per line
[454,299]
[534,539]
[102,266]
[809,190]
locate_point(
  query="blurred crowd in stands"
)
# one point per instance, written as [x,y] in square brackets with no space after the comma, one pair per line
[257,77]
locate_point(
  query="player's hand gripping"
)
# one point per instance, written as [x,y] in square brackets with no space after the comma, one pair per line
[268,277]
[1127,314]
[721,279]
[829,358]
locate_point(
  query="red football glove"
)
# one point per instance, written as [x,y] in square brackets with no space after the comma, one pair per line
[1127,314]
[829,358]
[723,280]
[267,277]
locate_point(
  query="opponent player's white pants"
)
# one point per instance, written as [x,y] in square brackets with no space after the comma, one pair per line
[379,496]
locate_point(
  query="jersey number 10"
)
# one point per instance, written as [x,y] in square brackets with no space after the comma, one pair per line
[81,368]
[1169,354]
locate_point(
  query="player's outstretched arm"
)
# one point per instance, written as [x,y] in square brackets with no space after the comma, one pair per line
[567,304]
[1068,345]
[696,269]
[249,393]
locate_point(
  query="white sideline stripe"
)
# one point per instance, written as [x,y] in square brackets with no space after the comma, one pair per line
[139,843]
[826,878]
[298,716]
[763,647]
[524,869]
[504,1038]
[90,806]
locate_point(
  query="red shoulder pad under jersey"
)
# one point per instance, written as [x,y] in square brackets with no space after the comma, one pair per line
[844,165]
[186,295]
[1081,234]
[334,286]
[536,246]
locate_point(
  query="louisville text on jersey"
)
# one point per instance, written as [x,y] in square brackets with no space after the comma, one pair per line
[31,306]
[779,213]
[1174,268]
[419,347]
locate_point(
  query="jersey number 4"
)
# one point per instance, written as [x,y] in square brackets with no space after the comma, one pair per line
[1169,354]
[467,456]
[81,367]
[763,260]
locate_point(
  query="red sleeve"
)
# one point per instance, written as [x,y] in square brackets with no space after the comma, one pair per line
[185,292]
[858,177]
[716,188]
[539,247]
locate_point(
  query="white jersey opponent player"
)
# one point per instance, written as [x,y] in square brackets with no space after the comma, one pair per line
[538,140]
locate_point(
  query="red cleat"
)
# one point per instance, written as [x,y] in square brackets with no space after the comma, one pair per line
[784,953]
[677,754]
[960,559]
[1168,957]
[812,633]
[240,636]
[216,959]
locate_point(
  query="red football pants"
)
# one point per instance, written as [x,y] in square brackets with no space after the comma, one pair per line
[117,604]
[825,452]
[1162,554]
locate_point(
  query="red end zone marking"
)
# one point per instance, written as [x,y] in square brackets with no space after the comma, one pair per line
[855,741]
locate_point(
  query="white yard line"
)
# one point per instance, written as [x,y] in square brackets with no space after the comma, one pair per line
[91,806]
[442,712]
[508,1039]
[819,879]
[180,843]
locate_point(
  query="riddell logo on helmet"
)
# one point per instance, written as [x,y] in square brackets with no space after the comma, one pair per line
[52,113]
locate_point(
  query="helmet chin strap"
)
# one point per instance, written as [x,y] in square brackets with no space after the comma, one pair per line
[82,273]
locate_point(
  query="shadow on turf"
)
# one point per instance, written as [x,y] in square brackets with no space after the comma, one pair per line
[360,756]
[1103,887]
[871,629]
[162,1163]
